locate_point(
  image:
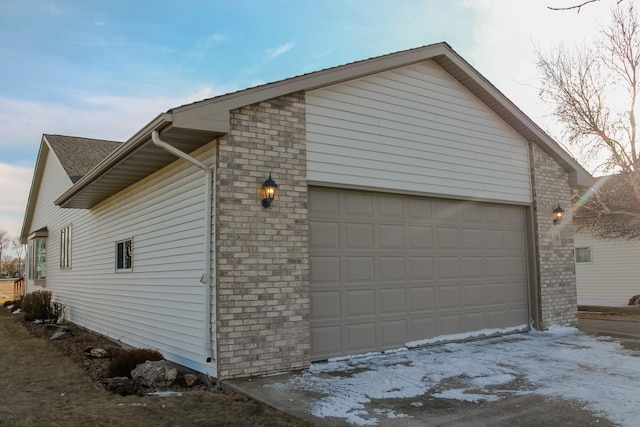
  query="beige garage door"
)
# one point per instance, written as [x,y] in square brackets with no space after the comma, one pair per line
[389,269]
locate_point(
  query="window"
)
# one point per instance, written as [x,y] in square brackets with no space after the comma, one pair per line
[65,248]
[583,254]
[38,255]
[123,255]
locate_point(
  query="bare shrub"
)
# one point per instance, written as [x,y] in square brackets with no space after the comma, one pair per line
[635,300]
[38,306]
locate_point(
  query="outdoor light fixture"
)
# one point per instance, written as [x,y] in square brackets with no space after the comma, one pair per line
[558,213]
[269,188]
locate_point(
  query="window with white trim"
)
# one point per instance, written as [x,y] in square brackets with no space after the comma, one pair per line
[37,256]
[124,255]
[65,248]
[583,254]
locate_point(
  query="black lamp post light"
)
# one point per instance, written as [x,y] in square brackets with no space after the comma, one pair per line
[558,213]
[269,189]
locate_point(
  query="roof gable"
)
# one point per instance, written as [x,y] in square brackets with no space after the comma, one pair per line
[77,156]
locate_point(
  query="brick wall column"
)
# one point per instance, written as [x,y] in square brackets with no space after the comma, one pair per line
[262,261]
[557,298]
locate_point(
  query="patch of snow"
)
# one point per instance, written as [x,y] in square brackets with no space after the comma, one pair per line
[354,356]
[464,395]
[559,362]
[275,374]
[467,335]
[166,393]
[492,380]
[17,311]
[389,413]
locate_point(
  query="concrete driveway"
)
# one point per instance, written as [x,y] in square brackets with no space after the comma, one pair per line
[628,333]
[561,377]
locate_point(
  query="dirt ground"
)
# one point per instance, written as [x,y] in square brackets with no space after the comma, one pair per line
[44,382]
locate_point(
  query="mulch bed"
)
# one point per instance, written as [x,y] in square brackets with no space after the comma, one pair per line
[79,340]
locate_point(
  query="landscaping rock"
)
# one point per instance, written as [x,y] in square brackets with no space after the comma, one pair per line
[102,352]
[190,380]
[155,374]
[61,333]
[122,385]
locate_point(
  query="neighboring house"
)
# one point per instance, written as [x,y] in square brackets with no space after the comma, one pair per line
[606,246]
[607,271]
[414,200]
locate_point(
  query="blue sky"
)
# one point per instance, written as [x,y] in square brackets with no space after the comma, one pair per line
[104,69]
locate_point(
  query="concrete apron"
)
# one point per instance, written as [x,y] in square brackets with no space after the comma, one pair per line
[281,393]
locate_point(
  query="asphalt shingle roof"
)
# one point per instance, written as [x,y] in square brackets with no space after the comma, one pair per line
[79,155]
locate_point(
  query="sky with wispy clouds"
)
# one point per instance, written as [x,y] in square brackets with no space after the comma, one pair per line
[104,69]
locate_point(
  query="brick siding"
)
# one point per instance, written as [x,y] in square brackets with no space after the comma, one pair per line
[262,261]
[557,298]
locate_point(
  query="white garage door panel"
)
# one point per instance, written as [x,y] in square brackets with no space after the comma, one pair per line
[387,269]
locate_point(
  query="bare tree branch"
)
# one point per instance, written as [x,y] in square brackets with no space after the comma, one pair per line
[576,6]
[593,92]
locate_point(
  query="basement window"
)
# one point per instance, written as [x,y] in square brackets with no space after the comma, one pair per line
[583,254]
[124,255]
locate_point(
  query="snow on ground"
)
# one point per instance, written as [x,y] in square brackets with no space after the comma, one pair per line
[560,362]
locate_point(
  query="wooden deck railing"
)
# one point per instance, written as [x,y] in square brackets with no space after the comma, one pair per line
[18,288]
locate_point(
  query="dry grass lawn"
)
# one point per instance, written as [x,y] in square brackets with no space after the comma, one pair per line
[40,386]
[628,313]
[6,290]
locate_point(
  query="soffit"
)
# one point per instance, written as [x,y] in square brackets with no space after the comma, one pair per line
[133,161]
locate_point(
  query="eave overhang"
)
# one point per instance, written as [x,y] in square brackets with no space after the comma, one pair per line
[132,161]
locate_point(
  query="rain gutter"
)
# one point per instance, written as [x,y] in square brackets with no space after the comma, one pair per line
[206,278]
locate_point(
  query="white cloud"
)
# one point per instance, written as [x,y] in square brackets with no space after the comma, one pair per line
[506,34]
[94,116]
[275,52]
[14,188]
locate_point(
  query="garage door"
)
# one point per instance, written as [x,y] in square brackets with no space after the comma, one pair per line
[390,269]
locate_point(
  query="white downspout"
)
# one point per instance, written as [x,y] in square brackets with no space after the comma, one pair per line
[208,193]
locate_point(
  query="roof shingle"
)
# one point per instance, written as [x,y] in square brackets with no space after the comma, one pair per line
[79,155]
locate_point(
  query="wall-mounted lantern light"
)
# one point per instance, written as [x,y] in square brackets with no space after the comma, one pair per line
[558,213]
[269,188]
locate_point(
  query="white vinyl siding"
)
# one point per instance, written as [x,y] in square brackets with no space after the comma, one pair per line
[611,278]
[160,303]
[414,129]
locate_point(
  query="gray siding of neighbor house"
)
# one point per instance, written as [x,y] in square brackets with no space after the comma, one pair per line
[159,304]
[613,275]
[263,263]
[416,130]
[557,300]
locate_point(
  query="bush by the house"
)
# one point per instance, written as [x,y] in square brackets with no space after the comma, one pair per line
[38,306]
[635,300]
[126,361]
